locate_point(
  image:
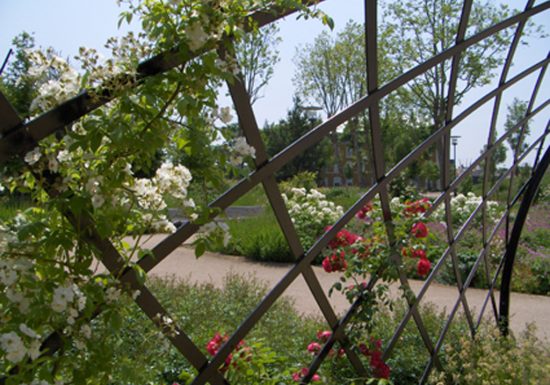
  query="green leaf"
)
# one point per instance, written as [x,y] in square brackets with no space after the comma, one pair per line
[200,248]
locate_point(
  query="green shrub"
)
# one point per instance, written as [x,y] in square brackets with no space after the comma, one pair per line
[141,355]
[304,179]
[494,360]
[259,238]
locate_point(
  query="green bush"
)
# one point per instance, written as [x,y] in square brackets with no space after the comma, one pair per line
[259,238]
[278,342]
[494,360]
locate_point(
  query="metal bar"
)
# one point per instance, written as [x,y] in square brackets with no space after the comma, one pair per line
[492,130]
[513,242]
[5,63]
[249,126]
[114,262]
[378,157]
[445,167]
[9,116]
[23,138]
[520,139]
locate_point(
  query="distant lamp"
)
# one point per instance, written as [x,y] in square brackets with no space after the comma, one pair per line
[454,142]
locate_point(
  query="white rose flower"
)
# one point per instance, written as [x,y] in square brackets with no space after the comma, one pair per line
[28,331]
[13,345]
[225,115]
[196,36]
[33,156]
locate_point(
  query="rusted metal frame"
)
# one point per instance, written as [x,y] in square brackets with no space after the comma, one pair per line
[520,140]
[461,232]
[501,264]
[491,289]
[496,108]
[22,138]
[445,166]
[250,129]
[8,114]
[377,148]
[489,151]
[505,214]
[114,262]
[513,242]
[467,283]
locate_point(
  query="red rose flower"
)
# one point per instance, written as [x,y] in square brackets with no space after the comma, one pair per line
[419,253]
[297,376]
[423,267]
[419,230]
[324,335]
[326,265]
[314,347]
[335,262]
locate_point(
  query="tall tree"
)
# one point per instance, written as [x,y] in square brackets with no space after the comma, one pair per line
[516,112]
[279,135]
[497,157]
[257,54]
[416,30]
[19,89]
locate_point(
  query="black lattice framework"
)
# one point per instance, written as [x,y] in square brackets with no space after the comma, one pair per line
[18,137]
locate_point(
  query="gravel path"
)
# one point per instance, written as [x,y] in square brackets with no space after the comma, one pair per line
[213,267]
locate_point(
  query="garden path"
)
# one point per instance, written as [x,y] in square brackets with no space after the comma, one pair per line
[213,267]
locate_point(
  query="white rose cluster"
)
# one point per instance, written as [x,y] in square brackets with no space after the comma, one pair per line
[170,179]
[311,212]
[462,206]
[240,150]
[17,348]
[51,91]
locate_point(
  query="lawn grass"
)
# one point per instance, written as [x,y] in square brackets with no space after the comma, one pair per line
[10,206]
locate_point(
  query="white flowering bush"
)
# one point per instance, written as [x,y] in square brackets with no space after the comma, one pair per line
[462,206]
[311,213]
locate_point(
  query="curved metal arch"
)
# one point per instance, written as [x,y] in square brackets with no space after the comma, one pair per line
[509,257]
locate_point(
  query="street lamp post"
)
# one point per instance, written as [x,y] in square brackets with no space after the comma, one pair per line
[454,142]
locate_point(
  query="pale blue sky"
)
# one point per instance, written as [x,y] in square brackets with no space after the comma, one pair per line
[69,24]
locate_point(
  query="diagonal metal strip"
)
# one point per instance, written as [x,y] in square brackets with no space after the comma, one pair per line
[9,115]
[520,142]
[183,233]
[377,149]
[456,182]
[496,108]
[445,166]
[23,138]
